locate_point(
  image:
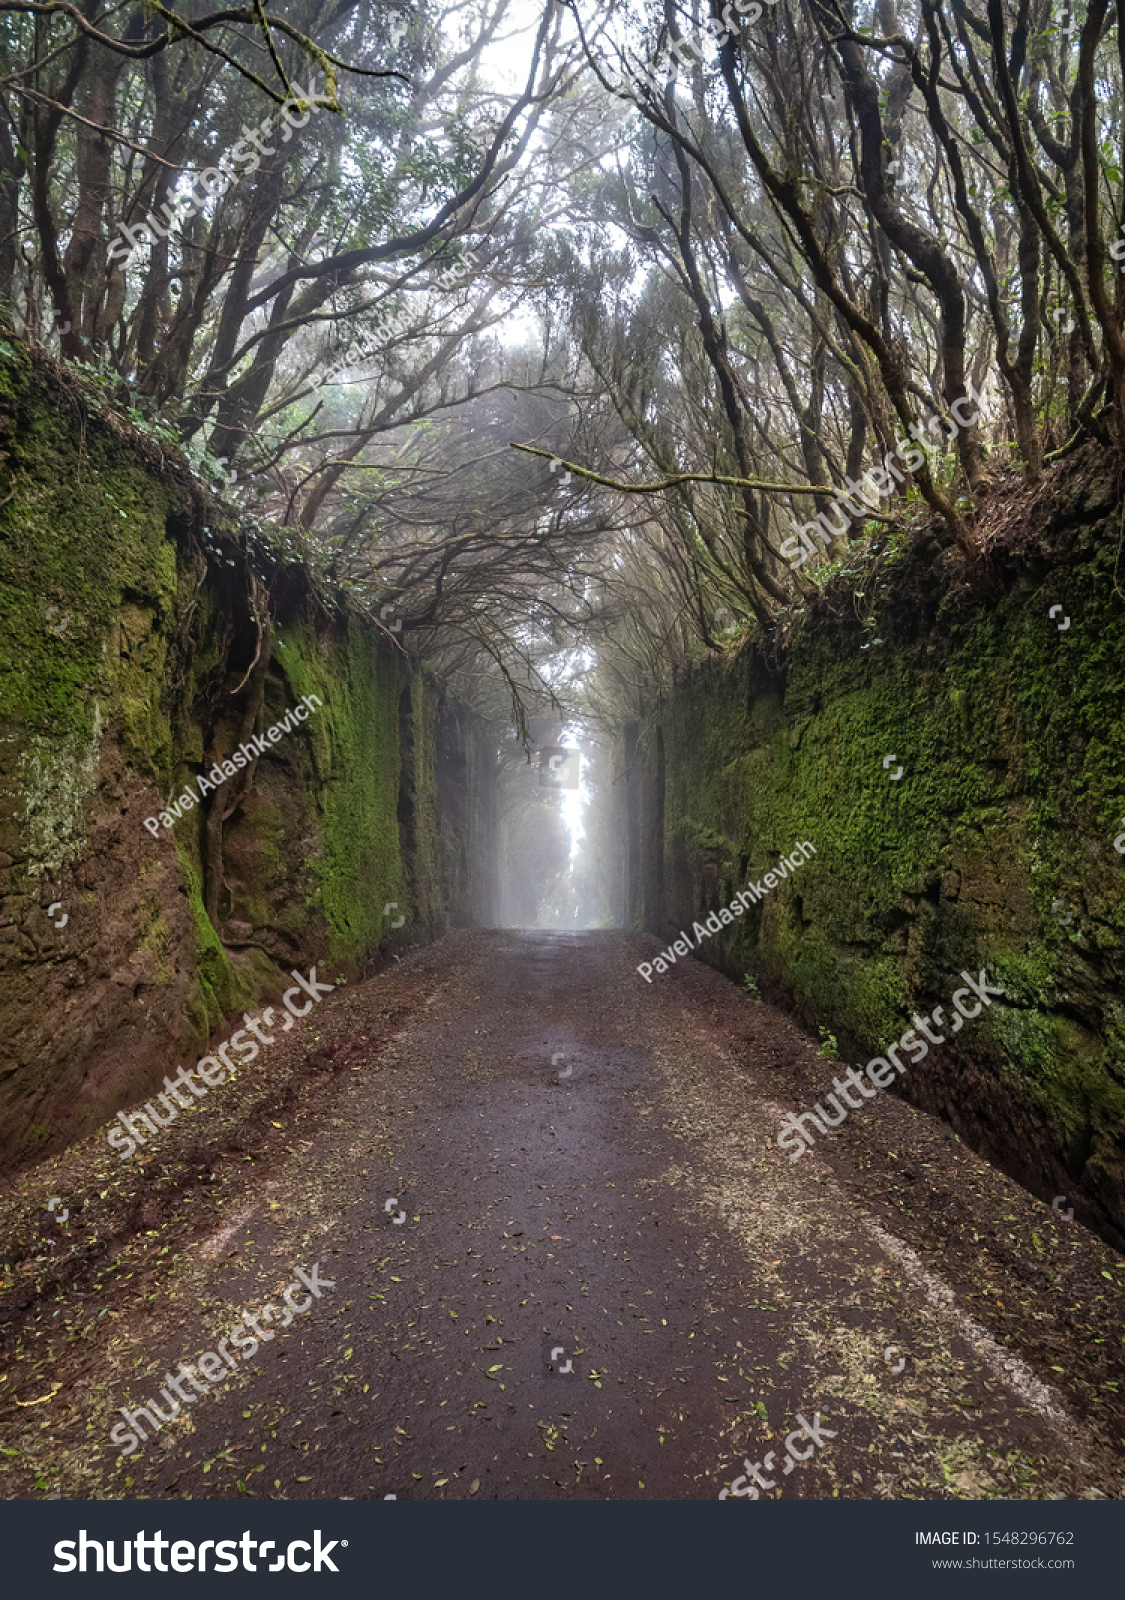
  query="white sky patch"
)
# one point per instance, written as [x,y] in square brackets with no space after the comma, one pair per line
[574,801]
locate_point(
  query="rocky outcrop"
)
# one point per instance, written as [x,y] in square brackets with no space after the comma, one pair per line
[953,748]
[159,650]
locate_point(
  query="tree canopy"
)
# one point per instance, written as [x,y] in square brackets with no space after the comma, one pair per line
[711,269]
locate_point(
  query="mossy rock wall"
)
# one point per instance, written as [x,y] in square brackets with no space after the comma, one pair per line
[994,849]
[121,587]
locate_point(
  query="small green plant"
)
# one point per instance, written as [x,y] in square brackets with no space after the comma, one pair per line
[828,1044]
[750,984]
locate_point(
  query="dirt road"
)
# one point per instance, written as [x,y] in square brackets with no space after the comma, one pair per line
[590,1180]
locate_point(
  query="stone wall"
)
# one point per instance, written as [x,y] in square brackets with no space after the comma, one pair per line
[146,634]
[993,849]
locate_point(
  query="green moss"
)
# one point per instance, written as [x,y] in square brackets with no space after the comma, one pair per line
[217,989]
[706,839]
[87,577]
[118,637]
[264,826]
[1012,744]
[153,928]
[353,738]
[428,888]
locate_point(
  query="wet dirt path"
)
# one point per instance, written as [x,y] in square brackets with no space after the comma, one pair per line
[569,1261]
